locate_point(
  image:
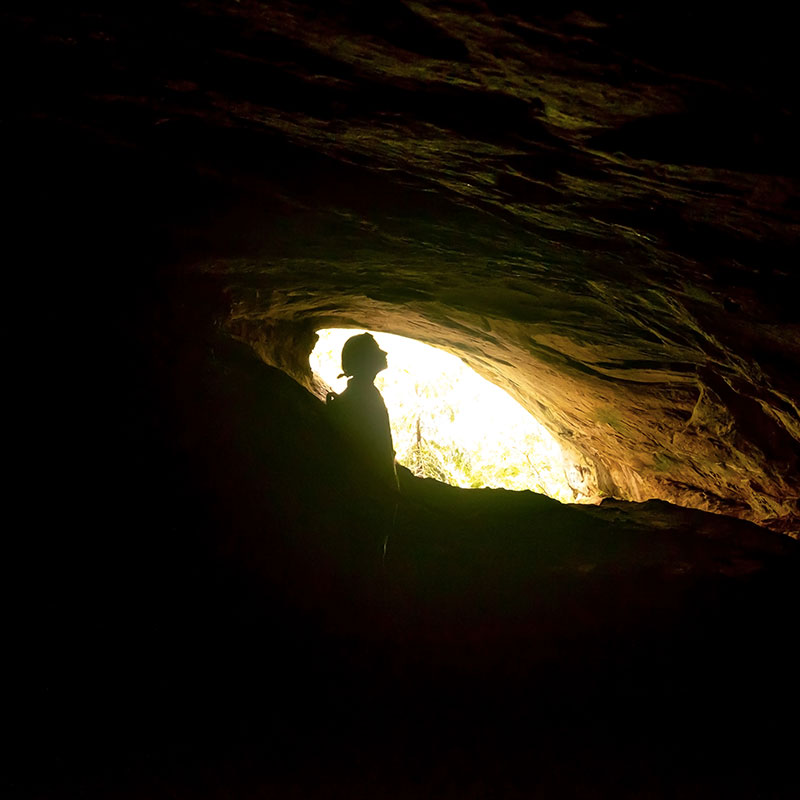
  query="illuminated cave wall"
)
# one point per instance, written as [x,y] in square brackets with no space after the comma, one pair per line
[602,224]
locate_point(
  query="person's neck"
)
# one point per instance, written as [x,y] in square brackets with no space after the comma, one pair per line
[362,380]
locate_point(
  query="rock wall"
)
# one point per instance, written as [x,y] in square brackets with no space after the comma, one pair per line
[598,212]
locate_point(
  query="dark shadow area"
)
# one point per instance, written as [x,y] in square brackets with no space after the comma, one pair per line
[230,630]
[200,609]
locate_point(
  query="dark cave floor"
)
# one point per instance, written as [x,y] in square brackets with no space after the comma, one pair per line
[213,639]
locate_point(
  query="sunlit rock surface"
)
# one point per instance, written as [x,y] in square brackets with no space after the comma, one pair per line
[598,212]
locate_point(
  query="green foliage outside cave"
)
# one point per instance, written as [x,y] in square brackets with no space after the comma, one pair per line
[431,443]
[450,424]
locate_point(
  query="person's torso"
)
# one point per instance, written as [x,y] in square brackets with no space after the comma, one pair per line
[361,417]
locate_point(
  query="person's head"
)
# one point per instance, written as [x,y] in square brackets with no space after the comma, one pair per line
[362,358]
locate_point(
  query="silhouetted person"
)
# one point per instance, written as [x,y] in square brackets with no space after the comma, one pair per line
[360,413]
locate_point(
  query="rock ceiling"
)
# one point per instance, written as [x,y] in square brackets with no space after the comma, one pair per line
[599,212]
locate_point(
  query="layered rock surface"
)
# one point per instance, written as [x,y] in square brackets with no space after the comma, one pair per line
[597,212]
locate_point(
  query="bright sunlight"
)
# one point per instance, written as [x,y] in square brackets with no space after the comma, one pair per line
[451,424]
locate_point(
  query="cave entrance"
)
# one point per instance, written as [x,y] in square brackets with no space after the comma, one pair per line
[451,424]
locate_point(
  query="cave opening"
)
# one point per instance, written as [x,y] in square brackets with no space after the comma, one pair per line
[596,208]
[451,424]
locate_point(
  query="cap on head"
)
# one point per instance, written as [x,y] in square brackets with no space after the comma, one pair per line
[360,353]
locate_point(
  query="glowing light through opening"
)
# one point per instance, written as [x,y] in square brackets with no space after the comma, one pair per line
[451,424]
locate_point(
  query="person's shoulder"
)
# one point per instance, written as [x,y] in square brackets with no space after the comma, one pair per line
[339,404]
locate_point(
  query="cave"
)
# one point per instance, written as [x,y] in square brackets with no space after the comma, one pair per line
[596,211]
[450,424]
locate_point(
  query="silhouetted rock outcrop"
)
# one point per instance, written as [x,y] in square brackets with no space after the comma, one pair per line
[597,212]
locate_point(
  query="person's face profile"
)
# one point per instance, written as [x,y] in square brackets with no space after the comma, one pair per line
[367,359]
[376,361]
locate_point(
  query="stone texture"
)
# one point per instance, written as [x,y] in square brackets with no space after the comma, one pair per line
[598,212]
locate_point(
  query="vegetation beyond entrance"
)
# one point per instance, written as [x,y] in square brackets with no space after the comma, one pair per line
[451,424]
